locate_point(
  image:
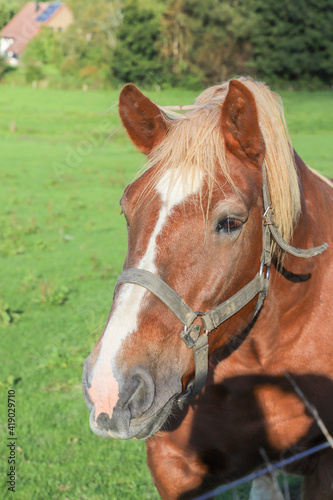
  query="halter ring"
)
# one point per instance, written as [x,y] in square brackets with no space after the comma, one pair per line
[199,315]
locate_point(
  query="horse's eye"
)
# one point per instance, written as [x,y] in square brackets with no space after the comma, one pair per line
[228,225]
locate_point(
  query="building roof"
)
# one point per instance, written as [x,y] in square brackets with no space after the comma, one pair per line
[27,23]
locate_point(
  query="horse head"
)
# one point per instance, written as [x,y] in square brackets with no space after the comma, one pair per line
[194,220]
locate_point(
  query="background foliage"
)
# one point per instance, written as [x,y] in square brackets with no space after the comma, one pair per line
[293,41]
[136,57]
[184,42]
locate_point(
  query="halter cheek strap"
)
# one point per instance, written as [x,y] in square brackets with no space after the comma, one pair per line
[190,334]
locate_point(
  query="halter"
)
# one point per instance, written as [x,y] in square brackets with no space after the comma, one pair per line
[210,320]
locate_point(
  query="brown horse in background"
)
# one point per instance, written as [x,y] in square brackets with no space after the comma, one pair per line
[214,215]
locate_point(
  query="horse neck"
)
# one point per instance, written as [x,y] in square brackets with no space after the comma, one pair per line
[295,286]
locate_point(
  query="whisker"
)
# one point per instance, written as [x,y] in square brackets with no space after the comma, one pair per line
[112,133]
[111,107]
[98,328]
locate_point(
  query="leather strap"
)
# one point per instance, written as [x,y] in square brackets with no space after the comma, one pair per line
[191,332]
[162,290]
[213,318]
[210,320]
[200,353]
[270,228]
[297,252]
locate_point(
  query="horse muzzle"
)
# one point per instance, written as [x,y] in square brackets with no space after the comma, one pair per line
[136,414]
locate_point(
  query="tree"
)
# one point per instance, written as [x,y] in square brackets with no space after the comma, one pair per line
[208,39]
[97,22]
[137,56]
[293,41]
[87,46]
[42,47]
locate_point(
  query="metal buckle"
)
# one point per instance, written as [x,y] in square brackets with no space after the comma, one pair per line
[268,208]
[261,270]
[264,217]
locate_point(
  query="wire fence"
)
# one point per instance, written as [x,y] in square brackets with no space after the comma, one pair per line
[270,468]
[266,470]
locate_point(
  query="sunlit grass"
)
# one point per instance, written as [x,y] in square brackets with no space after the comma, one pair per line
[62,245]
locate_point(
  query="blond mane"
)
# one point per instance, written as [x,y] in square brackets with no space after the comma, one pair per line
[194,145]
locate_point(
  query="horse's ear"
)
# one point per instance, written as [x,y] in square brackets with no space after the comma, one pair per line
[240,124]
[142,119]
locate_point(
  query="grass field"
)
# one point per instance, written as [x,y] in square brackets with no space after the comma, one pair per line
[63,243]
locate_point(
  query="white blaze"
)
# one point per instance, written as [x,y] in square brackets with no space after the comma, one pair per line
[124,319]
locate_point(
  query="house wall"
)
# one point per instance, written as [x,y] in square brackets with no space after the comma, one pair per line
[4,44]
[61,19]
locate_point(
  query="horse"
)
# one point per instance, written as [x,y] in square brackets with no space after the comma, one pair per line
[223,308]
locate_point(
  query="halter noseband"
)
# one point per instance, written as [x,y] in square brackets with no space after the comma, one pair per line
[190,334]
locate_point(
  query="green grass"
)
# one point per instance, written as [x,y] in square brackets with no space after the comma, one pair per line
[62,245]
[309,119]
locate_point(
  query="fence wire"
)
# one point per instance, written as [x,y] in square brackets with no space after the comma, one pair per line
[270,468]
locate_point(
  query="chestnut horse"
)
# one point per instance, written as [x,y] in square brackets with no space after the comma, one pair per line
[226,289]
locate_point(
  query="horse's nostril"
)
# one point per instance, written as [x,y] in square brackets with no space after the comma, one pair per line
[138,394]
[103,421]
